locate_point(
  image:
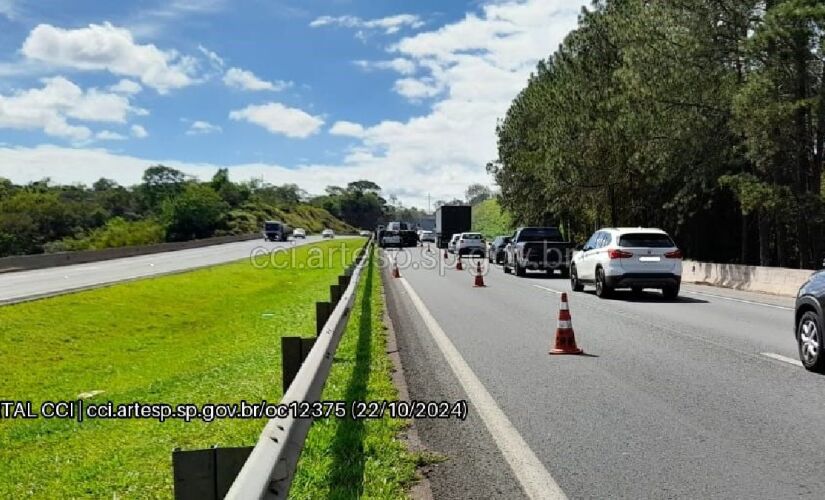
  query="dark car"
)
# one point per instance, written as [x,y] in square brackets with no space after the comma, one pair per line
[810,304]
[495,252]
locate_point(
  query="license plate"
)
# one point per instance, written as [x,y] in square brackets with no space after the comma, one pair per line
[650,259]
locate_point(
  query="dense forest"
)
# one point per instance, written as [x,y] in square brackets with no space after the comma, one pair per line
[703,117]
[171,206]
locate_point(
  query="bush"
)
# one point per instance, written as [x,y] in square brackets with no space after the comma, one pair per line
[116,233]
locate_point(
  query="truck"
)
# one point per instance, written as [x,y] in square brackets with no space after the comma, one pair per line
[275,231]
[450,220]
[397,234]
[540,249]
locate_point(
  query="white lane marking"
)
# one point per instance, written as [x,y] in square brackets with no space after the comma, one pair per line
[780,357]
[548,289]
[528,469]
[738,300]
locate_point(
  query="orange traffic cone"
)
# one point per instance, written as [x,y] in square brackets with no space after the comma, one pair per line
[479,282]
[458,266]
[565,338]
[395,272]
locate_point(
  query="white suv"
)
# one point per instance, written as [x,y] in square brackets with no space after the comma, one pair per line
[471,243]
[625,257]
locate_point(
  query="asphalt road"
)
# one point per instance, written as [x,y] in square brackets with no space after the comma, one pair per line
[44,282]
[676,399]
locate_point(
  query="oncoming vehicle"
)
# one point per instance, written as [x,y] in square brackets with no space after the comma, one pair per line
[628,257]
[810,319]
[451,245]
[299,233]
[328,233]
[275,231]
[495,253]
[470,244]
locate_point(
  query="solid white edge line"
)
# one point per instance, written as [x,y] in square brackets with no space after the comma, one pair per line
[528,469]
[780,357]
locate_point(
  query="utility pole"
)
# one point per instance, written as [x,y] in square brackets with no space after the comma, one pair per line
[429,210]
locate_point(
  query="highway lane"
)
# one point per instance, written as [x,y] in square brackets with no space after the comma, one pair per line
[44,282]
[675,401]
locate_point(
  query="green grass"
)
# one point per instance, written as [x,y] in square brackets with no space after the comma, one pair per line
[211,335]
[347,458]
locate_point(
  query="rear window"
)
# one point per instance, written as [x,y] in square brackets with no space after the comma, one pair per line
[646,240]
[540,234]
[472,236]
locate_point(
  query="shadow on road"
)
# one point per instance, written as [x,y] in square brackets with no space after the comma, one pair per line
[347,449]
[651,297]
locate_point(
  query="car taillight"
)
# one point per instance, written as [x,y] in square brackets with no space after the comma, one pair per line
[618,254]
[676,254]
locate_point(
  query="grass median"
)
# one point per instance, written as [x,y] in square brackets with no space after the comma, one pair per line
[205,336]
[346,458]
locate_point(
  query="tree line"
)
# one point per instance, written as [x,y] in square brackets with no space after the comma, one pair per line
[703,117]
[169,205]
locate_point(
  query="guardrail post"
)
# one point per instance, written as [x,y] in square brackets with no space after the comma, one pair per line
[334,294]
[322,312]
[294,351]
[343,281]
[206,474]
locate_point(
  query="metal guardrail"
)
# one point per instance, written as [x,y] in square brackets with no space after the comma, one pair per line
[270,468]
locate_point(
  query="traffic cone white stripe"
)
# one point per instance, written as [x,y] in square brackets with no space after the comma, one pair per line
[565,325]
[564,306]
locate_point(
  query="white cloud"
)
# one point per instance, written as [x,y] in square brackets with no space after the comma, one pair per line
[139,132]
[50,107]
[216,60]
[246,80]
[199,127]
[279,119]
[481,62]
[399,64]
[108,135]
[125,86]
[110,48]
[389,25]
[347,129]
[416,89]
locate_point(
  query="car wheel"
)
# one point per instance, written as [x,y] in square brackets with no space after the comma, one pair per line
[809,336]
[565,272]
[602,289]
[670,292]
[575,284]
[519,269]
[505,267]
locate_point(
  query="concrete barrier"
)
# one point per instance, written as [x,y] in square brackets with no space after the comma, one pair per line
[42,261]
[775,280]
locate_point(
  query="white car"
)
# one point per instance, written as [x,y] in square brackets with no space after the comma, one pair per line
[625,257]
[299,233]
[471,243]
[425,235]
[365,233]
[452,243]
[327,233]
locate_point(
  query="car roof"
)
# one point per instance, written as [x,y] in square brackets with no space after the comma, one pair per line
[624,230]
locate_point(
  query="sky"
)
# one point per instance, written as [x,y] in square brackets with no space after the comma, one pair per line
[312,92]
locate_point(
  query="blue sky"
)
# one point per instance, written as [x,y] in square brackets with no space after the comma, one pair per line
[307,91]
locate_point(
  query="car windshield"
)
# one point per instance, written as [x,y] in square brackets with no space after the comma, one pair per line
[646,240]
[272,226]
[540,234]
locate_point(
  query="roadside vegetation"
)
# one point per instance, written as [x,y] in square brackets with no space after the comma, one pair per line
[491,220]
[704,117]
[347,458]
[209,335]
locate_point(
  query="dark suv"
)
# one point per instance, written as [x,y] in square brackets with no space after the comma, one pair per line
[810,304]
[495,253]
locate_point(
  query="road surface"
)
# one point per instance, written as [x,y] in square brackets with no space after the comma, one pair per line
[699,397]
[44,282]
